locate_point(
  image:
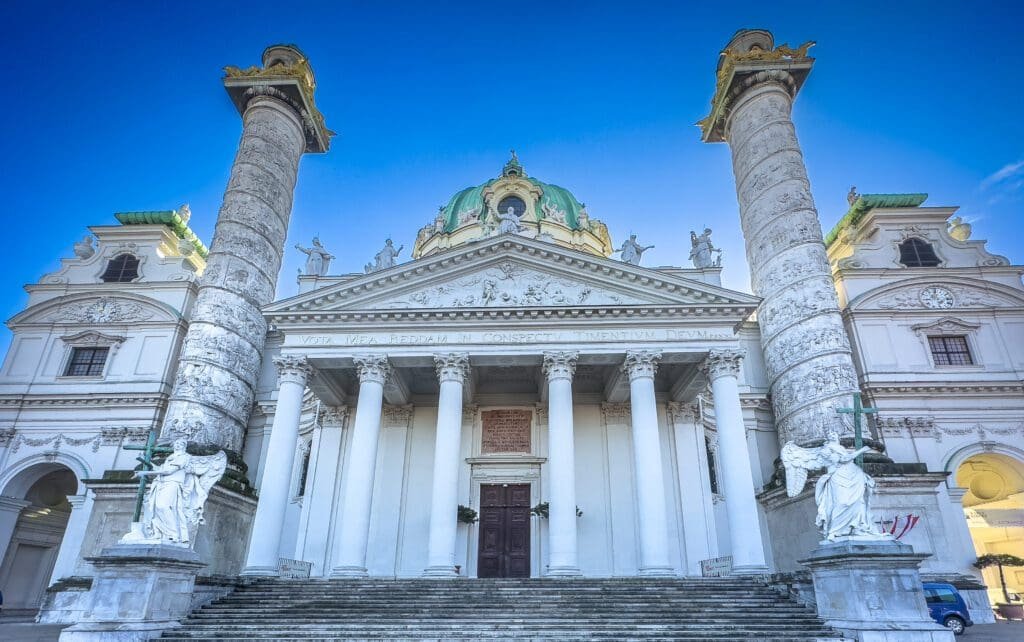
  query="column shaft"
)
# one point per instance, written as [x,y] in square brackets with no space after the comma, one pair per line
[354,529]
[445,490]
[275,490]
[561,468]
[736,477]
[650,482]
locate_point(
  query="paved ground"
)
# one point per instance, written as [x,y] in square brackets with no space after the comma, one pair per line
[998,632]
[28,632]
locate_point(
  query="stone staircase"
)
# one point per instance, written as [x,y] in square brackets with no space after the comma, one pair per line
[522,609]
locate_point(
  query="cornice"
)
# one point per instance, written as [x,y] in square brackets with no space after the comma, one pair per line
[951,388]
[82,400]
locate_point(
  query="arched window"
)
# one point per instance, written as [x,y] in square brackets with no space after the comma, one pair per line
[917,253]
[123,268]
[516,203]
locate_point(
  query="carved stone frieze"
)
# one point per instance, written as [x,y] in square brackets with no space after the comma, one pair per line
[6,435]
[507,284]
[615,413]
[938,297]
[908,426]
[397,415]
[105,309]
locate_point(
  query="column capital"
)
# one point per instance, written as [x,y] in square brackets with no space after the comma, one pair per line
[751,59]
[641,363]
[287,77]
[333,416]
[723,363]
[452,366]
[560,365]
[682,413]
[293,368]
[372,368]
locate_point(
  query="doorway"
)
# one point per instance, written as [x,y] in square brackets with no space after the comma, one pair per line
[504,531]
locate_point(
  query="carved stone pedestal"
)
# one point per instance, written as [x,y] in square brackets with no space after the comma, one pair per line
[871,592]
[138,592]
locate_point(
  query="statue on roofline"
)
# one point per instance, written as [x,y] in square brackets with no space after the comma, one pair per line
[702,250]
[84,249]
[842,494]
[385,258]
[318,259]
[632,251]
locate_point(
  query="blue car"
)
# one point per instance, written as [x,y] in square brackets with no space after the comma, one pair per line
[947,606]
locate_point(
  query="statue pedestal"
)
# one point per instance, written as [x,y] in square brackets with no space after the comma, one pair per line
[870,590]
[138,591]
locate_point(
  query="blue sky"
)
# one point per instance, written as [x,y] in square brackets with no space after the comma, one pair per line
[118,106]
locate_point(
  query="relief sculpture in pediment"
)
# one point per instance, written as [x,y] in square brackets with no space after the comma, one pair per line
[507,284]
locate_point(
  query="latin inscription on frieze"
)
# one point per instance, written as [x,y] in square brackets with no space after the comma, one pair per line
[506,431]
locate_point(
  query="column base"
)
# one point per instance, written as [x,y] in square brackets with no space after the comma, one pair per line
[351,572]
[260,571]
[563,571]
[443,572]
[657,571]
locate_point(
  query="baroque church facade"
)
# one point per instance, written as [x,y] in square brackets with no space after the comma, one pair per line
[514,401]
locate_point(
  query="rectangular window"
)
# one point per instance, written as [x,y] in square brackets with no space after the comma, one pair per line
[950,351]
[86,362]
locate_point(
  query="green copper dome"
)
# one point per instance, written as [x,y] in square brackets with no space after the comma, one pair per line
[552,197]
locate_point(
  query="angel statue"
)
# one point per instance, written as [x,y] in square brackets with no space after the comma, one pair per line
[173,508]
[843,493]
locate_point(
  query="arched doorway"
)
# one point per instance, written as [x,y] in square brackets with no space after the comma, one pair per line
[994,509]
[35,538]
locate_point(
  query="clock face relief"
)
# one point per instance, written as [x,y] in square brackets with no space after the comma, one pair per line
[936,297]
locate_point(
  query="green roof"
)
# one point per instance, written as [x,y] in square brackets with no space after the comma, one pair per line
[171,219]
[867,202]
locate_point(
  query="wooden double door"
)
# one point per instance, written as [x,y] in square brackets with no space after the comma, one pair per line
[504,531]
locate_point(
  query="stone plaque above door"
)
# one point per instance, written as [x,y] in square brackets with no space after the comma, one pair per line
[506,431]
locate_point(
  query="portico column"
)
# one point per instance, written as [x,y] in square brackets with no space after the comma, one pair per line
[562,552]
[354,529]
[74,534]
[650,484]
[265,539]
[723,368]
[452,370]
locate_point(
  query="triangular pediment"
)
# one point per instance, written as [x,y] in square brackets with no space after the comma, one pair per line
[511,273]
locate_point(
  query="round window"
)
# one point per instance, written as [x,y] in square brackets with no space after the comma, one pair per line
[516,203]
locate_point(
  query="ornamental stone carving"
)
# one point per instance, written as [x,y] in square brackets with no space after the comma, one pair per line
[293,369]
[372,368]
[213,393]
[682,413]
[560,365]
[799,315]
[723,363]
[641,364]
[397,415]
[102,310]
[452,366]
[616,413]
[333,416]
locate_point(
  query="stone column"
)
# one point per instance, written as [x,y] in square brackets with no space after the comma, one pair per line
[562,546]
[318,504]
[74,535]
[354,529]
[220,359]
[807,353]
[700,537]
[723,368]
[275,491]
[452,370]
[650,484]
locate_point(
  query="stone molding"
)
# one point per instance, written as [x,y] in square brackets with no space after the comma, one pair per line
[616,412]
[293,369]
[641,364]
[560,365]
[373,368]
[723,363]
[678,412]
[453,366]
[397,415]
[333,416]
